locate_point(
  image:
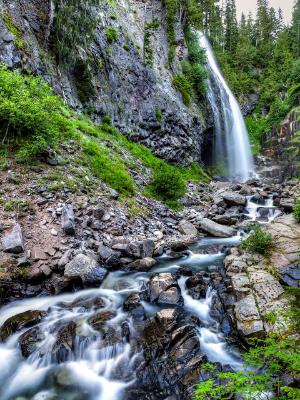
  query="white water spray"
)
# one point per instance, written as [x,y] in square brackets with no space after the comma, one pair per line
[232,147]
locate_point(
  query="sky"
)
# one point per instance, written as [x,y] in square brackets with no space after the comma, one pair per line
[250,5]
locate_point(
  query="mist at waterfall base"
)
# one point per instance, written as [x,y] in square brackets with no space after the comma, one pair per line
[231,147]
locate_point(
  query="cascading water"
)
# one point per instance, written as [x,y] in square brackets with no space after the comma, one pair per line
[231,148]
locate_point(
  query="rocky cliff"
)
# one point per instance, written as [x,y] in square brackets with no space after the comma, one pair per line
[125,75]
[281,146]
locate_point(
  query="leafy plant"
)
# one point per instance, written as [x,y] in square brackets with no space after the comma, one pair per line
[259,241]
[168,184]
[296,210]
[184,86]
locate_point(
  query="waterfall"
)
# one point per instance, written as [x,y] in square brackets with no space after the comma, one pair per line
[231,148]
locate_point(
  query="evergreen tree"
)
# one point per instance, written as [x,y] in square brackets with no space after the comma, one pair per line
[231,28]
[295,28]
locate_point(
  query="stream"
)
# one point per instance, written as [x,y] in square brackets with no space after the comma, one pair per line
[88,345]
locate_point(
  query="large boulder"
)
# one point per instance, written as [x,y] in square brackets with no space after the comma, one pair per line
[234,199]
[142,265]
[13,241]
[187,229]
[20,321]
[160,283]
[85,268]
[249,323]
[215,229]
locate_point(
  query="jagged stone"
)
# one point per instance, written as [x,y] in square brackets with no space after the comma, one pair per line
[13,241]
[68,220]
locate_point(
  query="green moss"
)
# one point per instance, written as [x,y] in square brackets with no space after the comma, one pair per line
[13,29]
[112,34]
[158,114]
[126,47]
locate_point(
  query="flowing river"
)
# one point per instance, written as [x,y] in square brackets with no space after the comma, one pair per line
[87,345]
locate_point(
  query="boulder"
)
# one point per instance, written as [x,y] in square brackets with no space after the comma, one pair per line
[20,321]
[143,265]
[28,341]
[170,296]
[13,241]
[68,220]
[85,268]
[234,199]
[249,323]
[167,318]
[215,229]
[187,228]
[160,283]
[287,204]
[65,342]
[141,249]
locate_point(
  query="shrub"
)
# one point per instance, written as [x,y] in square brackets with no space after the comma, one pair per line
[266,367]
[259,241]
[171,11]
[168,184]
[184,86]
[296,210]
[31,116]
[111,34]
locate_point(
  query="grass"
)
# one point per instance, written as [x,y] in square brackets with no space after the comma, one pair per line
[296,210]
[112,34]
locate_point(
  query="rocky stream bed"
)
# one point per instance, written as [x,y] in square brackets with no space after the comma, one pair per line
[103,316]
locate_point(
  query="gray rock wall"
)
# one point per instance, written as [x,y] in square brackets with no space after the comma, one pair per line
[115,80]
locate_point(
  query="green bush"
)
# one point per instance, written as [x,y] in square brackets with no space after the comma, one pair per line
[259,241]
[111,34]
[296,210]
[181,82]
[168,184]
[31,116]
[171,11]
[266,367]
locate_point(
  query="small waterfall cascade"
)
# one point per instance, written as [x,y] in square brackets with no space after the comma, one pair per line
[232,151]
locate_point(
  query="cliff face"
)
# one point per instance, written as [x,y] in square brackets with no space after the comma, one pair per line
[281,147]
[111,77]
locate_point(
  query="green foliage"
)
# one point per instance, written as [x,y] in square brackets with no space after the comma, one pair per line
[182,83]
[264,368]
[111,34]
[32,118]
[256,127]
[168,184]
[108,167]
[259,241]
[73,26]
[296,210]
[13,29]
[126,47]
[171,7]
[148,50]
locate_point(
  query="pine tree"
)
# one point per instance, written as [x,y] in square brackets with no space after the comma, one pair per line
[231,28]
[295,28]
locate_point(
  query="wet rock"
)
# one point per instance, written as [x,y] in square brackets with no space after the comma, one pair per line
[215,229]
[20,321]
[184,343]
[170,296]
[234,199]
[85,268]
[65,342]
[241,285]
[167,318]
[287,204]
[68,220]
[13,241]
[99,320]
[28,341]
[133,305]
[143,265]
[188,229]
[160,283]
